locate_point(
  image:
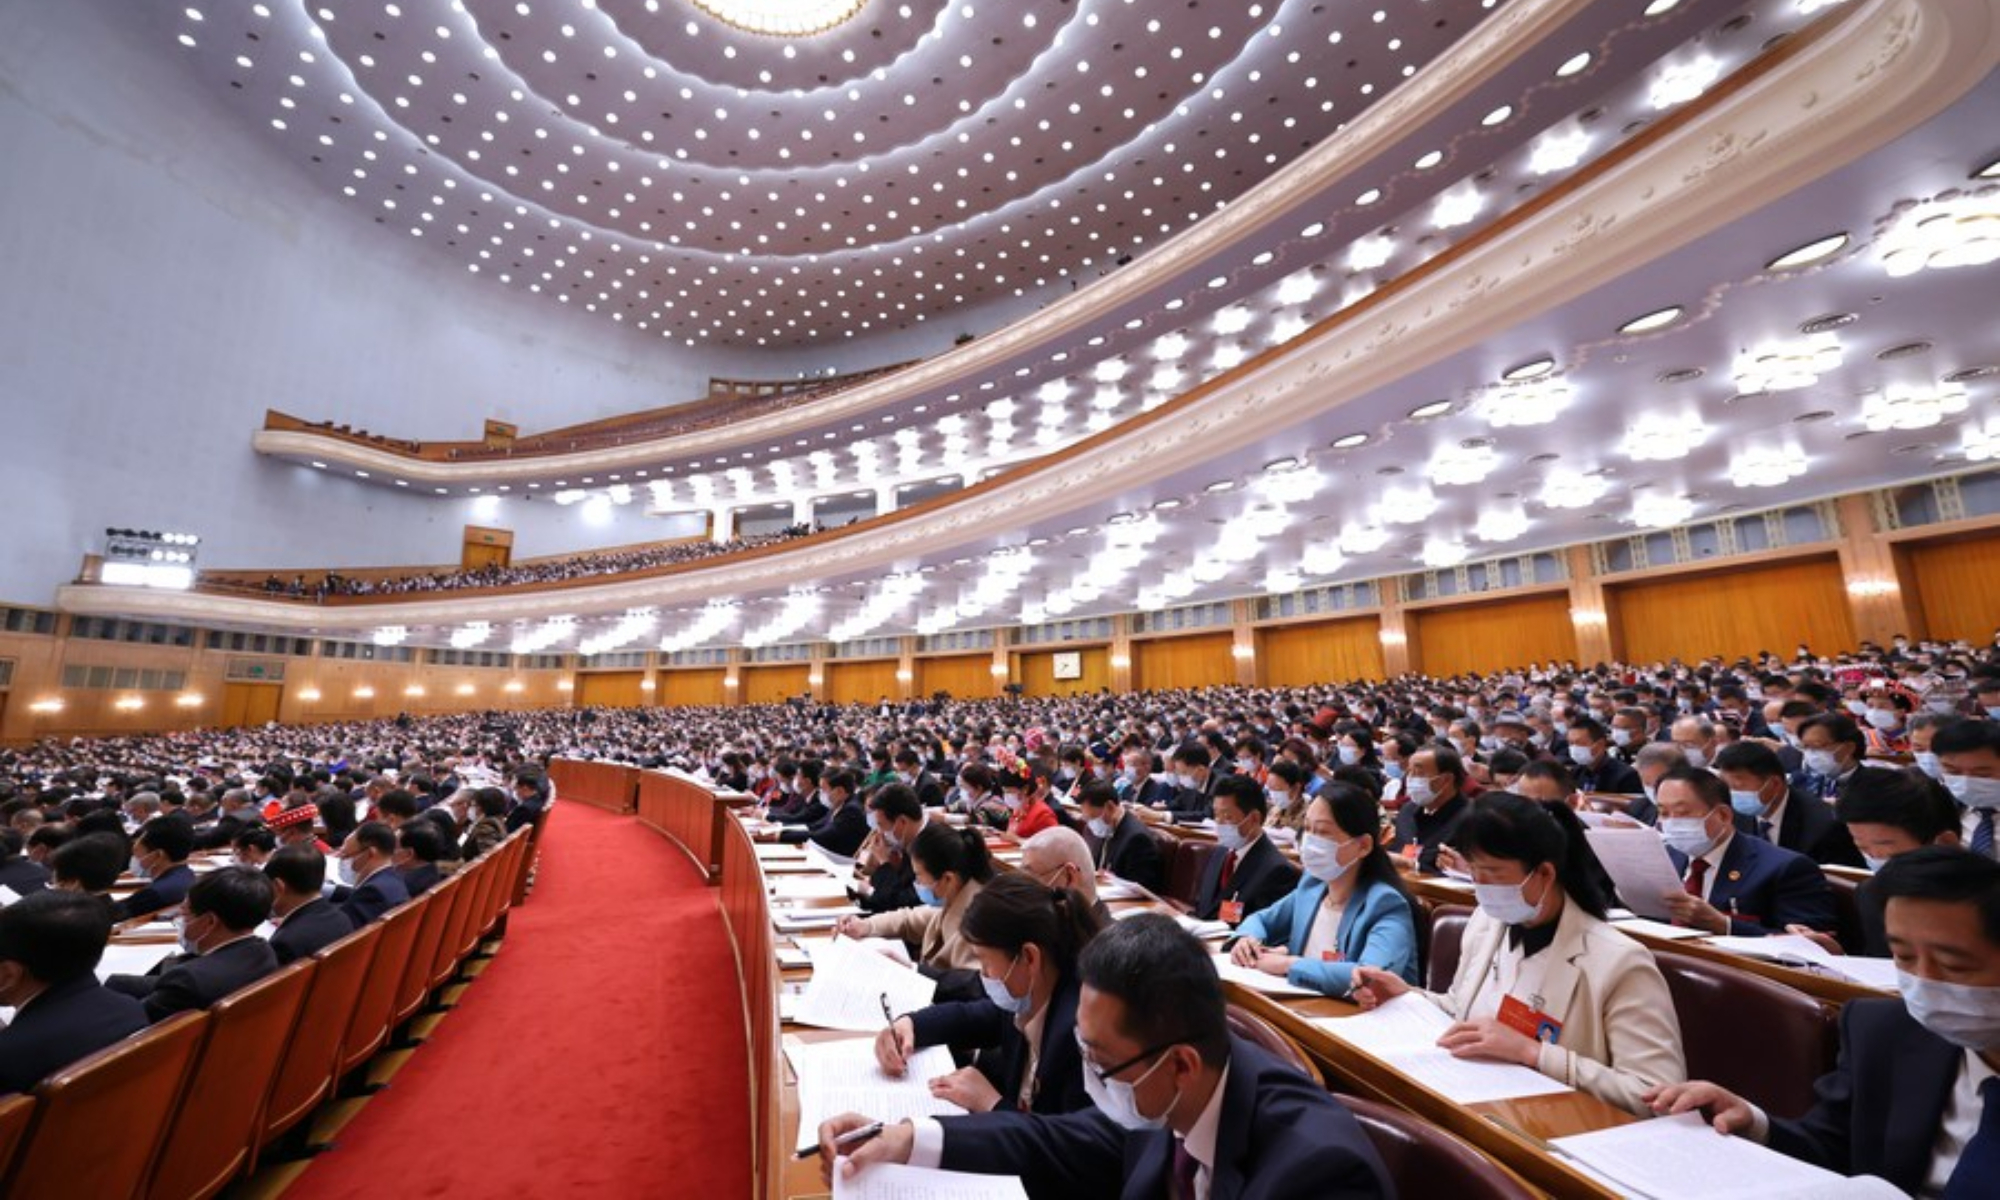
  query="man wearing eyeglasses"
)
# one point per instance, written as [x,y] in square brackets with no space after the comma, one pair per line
[1183,1108]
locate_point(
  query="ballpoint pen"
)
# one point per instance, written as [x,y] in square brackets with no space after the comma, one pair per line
[846,1141]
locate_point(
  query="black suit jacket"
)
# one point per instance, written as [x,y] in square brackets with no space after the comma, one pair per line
[1879,1109]
[1280,1137]
[1131,854]
[892,885]
[66,1022]
[1764,888]
[1154,791]
[1428,831]
[377,894]
[164,892]
[421,878]
[840,832]
[1262,879]
[1612,776]
[192,981]
[1810,828]
[311,928]
[1002,1054]
[24,875]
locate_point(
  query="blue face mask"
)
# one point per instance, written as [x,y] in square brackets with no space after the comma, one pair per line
[996,991]
[1746,803]
[929,896]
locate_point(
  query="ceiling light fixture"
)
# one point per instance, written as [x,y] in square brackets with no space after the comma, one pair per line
[1501,524]
[1912,406]
[1660,510]
[1786,366]
[1767,466]
[1458,465]
[1519,405]
[1957,231]
[782,18]
[1443,552]
[1435,408]
[1808,254]
[1662,437]
[1658,319]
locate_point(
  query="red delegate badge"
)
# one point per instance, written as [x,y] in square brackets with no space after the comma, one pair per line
[1533,1023]
[1232,912]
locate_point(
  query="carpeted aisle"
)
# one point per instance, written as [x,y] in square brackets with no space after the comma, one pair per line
[601,1053]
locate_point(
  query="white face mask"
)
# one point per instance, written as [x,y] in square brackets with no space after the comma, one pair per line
[1928,763]
[1689,835]
[1349,756]
[996,991]
[1961,1013]
[1974,792]
[1116,1100]
[1279,801]
[1321,857]
[1229,837]
[1696,756]
[1581,756]
[1506,903]
[138,868]
[1883,718]
[1418,788]
[1874,864]
[1822,762]
[188,945]
[346,868]
[1100,828]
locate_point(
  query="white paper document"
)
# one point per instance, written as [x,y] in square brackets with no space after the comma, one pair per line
[122,959]
[770,852]
[792,920]
[893,1181]
[1115,888]
[853,985]
[1658,929]
[1404,1034]
[842,1076]
[1672,1157]
[1794,950]
[838,865]
[807,887]
[793,958]
[1255,980]
[8,895]
[1637,862]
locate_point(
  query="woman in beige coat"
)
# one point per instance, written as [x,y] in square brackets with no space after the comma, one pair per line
[1543,980]
[950,865]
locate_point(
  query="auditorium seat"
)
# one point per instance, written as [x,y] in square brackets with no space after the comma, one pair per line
[99,1123]
[369,1026]
[15,1113]
[1256,1030]
[209,1142]
[451,943]
[1758,1038]
[1424,1160]
[1846,909]
[1185,858]
[415,986]
[1447,931]
[306,1073]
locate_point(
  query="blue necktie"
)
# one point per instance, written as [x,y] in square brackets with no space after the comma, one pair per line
[1982,834]
[1979,1163]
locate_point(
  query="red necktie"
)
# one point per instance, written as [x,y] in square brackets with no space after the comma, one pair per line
[1186,1167]
[1228,871]
[1697,871]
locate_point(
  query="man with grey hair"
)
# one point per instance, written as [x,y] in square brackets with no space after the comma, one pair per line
[1652,762]
[1059,857]
[236,814]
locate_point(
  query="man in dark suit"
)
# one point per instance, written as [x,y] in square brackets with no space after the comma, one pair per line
[50,944]
[1179,1101]
[1889,812]
[531,796]
[307,922]
[159,856]
[1143,789]
[885,855]
[910,769]
[419,846]
[1195,798]
[1733,883]
[843,827]
[1769,807]
[235,813]
[1912,1098]
[1593,765]
[21,875]
[367,863]
[1250,874]
[222,949]
[1125,846]
[1434,785]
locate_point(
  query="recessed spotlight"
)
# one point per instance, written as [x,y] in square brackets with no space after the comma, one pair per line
[1817,415]
[1659,319]
[1806,255]
[1435,408]
[1532,369]
[1573,64]
[1350,441]
[1681,375]
[1989,171]
[1906,350]
[1220,486]
[1167,505]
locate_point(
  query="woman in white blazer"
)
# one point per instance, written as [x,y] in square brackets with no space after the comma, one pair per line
[1543,980]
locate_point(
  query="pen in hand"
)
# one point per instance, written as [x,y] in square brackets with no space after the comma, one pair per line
[887,1015]
[846,1141]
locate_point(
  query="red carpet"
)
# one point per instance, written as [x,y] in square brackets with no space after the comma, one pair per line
[601,1053]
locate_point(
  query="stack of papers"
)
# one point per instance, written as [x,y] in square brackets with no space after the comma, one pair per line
[1657,929]
[856,989]
[893,1181]
[807,887]
[1793,950]
[833,864]
[1404,1033]
[1256,980]
[842,1076]
[1672,1157]
[792,920]
[1637,862]
[131,960]
[1121,889]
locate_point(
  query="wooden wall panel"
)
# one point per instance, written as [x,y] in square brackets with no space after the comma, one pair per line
[1956,585]
[773,685]
[693,689]
[1320,652]
[610,689]
[965,676]
[1199,660]
[1488,635]
[249,704]
[861,682]
[1772,606]
[1036,673]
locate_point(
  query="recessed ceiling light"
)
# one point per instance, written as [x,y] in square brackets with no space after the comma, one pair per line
[1906,350]
[1532,369]
[1681,375]
[1819,414]
[1435,408]
[1658,7]
[1810,253]
[1350,441]
[1220,486]
[1573,64]
[1827,323]
[1652,320]
[1989,171]
[1167,505]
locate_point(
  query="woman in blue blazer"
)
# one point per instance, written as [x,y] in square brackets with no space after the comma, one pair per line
[1350,880]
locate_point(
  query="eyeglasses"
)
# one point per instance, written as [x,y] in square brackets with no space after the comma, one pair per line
[1104,1074]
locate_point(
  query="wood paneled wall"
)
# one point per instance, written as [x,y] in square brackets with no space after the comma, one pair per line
[965,676]
[1199,660]
[1488,635]
[1956,585]
[610,689]
[1773,606]
[693,689]
[1036,672]
[861,682]
[1320,652]
[774,684]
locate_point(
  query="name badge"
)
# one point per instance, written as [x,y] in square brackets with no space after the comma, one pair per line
[1232,912]
[1520,1018]
[1330,956]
